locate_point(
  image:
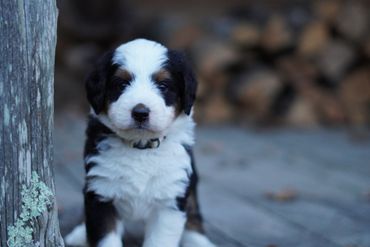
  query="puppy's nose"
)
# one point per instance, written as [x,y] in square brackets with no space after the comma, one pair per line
[140,113]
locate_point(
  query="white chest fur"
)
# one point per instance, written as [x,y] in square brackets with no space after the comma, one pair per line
[143,185]
[138,180]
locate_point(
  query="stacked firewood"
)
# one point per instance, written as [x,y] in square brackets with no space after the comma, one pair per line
[305,65]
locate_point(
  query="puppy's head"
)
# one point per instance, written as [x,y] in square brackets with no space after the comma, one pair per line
[141,87]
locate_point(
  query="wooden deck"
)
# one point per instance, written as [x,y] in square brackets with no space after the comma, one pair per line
[275,188]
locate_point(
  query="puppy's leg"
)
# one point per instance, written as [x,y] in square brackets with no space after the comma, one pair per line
[103,227]
[164,228]
[77,237]
[194,218]
[193,235]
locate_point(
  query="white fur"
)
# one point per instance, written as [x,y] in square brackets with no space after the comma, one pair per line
[195,239]
[164,228]
[142,58]
[77,237]
[189,238]
[140,180]
[111,240]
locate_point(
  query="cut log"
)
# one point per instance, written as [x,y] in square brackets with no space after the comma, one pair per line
[302,114]
[215,110]
[213,56]
[256,92]
[354,93]
[314,39]
[185,36]
[245,35]
[297,70]
[335,59]
[328,10]
[353,20]
[276,35]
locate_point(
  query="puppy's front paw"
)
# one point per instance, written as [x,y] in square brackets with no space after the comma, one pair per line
[195,239]
[77,237]
[111,240]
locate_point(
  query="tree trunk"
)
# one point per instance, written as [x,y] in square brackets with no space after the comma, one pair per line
[27,52]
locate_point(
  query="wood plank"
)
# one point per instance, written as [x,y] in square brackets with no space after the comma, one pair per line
[331,148]
[261,173]
[251,225]
[250,154]
[218,236]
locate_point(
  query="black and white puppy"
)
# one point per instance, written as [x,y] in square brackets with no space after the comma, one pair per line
[138,152]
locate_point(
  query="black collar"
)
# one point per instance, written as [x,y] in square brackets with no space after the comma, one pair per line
[145,144]
[152,143]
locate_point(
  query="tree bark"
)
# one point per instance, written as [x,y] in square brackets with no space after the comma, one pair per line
[27,53]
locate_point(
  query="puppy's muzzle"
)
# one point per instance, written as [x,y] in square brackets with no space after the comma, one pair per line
[140,113]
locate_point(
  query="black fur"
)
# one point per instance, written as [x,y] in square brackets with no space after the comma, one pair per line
[100,216]
[95,133]
[189,202]
[97,80]
[184,77]
[115,86]
[193,180]
[171,90]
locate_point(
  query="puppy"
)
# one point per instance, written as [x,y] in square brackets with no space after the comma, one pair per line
[138,153]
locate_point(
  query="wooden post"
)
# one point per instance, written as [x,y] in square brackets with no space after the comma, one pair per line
[27,52]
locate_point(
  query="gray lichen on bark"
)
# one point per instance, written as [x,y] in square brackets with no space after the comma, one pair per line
[36,198]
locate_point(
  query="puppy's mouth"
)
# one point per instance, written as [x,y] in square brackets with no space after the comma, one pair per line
[141,127]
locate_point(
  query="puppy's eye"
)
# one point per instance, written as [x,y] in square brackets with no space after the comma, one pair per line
[163,85]
[120,82]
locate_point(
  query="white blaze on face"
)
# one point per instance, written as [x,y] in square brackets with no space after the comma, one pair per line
[142,58]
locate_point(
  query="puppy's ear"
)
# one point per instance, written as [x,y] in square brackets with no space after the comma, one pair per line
[190,88]
[96,81]
[180,66]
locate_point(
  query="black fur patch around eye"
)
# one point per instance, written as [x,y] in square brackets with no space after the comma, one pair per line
[183,80]
[116,87]
[169,86]
[172,92]
[106,82]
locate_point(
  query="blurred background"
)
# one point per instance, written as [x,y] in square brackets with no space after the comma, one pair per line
[296,63]
[283,107]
